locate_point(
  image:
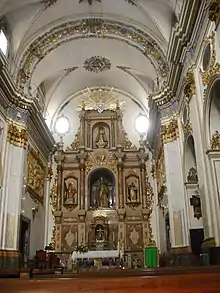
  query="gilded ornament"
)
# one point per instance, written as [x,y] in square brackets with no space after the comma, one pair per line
[214,67]
[75,144]
[170,131]
[149,196]
[54,195]
[97,64]
[187,128]
[100,99]
[49,173]
[36,173]
[215,141]
[109,161]
[192,175]
[88,28]
[189,84]
[126,143]
[17,136]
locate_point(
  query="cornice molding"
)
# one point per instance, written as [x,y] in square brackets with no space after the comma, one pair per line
[180,38]
[28,110]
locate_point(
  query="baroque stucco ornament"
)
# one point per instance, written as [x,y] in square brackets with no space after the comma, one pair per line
[97,64]
[87,28]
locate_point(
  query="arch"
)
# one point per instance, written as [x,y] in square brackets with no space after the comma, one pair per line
[75,30]
[94,178]
[212,110]
[189,155]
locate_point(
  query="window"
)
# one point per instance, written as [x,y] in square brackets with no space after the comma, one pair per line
[3,42]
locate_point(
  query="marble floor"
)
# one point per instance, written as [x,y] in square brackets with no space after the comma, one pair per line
[195,283]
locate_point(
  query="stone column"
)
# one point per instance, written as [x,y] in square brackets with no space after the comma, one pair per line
[82,157]
[120,156]
[175,184]
[214,160]
[47,202]
[13,189]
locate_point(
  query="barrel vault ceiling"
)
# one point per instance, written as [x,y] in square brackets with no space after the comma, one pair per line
[67,46]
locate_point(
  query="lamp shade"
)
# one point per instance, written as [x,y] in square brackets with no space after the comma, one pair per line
[62,125]
[141,124]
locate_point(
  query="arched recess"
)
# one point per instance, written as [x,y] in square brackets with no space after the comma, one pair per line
[189,156]
[213,110]
[98,178]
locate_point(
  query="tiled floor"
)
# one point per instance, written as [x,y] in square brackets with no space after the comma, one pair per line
[209,283]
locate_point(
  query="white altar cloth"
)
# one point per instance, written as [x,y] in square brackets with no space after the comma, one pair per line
[95,254]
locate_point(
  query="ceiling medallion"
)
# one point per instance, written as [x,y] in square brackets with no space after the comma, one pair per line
[90,1]
[132,2]
[97,64]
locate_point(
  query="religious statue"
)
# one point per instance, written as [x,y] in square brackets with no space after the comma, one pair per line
[100,233]
[101,140]
[70,194]
[103,194]
[132,192]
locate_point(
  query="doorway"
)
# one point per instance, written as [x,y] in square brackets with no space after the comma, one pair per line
[24,240]
[196,238]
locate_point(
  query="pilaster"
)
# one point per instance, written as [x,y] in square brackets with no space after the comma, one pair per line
[175,185]
[13,183]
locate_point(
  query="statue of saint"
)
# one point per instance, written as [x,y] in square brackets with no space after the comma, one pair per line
[132,193]
[101,140]
[103,194]
[70,194]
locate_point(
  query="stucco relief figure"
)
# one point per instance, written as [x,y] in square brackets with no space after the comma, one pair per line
[101,140]
[132,192]
[70,194]
[103,194]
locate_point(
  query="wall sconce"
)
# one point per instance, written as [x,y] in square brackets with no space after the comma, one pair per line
[35,209]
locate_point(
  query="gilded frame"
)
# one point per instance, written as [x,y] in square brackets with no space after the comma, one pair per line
[36,175]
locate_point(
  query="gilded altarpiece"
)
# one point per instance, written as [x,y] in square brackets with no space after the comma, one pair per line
[103,198]
[36,173]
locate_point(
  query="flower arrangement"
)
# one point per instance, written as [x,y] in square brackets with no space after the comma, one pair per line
[81,248]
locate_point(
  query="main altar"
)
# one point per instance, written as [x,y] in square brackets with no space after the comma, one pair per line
[101,197]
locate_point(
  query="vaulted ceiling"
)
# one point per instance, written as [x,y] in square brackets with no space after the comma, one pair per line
[67,46]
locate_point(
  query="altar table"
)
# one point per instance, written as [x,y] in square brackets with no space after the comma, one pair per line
[95,254]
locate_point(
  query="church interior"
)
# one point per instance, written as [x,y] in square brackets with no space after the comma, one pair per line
[109,143]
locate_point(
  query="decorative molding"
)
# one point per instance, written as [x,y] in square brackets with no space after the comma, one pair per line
[87,28]
[170,131]
[189,84]
[17,135]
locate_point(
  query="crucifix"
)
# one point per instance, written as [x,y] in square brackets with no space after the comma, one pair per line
[196,204]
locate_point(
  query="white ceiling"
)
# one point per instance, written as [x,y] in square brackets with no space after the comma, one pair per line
[29,19]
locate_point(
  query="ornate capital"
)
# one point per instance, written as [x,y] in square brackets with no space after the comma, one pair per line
[170,131]
[17,135]
[189,84]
